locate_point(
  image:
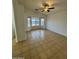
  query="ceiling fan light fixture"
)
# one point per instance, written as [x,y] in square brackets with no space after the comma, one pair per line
[46,9]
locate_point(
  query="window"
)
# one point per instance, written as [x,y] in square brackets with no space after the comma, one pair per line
[28,22]
[42,21]
[35,21]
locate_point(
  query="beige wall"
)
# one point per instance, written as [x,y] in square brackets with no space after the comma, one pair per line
[19,20]
[57,22]
[13,28]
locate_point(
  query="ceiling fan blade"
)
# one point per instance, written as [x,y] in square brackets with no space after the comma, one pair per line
[52,8]
[48,10]
[42,10]
[36,9]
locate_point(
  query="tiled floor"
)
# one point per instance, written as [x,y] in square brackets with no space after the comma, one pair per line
[41,44]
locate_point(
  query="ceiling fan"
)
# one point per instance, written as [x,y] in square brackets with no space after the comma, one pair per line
[46,6]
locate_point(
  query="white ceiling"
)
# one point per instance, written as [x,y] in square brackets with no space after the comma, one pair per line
[33,4]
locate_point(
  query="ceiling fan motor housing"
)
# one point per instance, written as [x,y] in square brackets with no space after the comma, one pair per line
[45,5]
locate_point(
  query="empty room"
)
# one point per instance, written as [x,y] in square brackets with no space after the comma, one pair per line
[39,29]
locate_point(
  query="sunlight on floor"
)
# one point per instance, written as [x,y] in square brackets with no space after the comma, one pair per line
[42,44]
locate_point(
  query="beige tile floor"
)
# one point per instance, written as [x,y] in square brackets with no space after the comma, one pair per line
[41,44]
